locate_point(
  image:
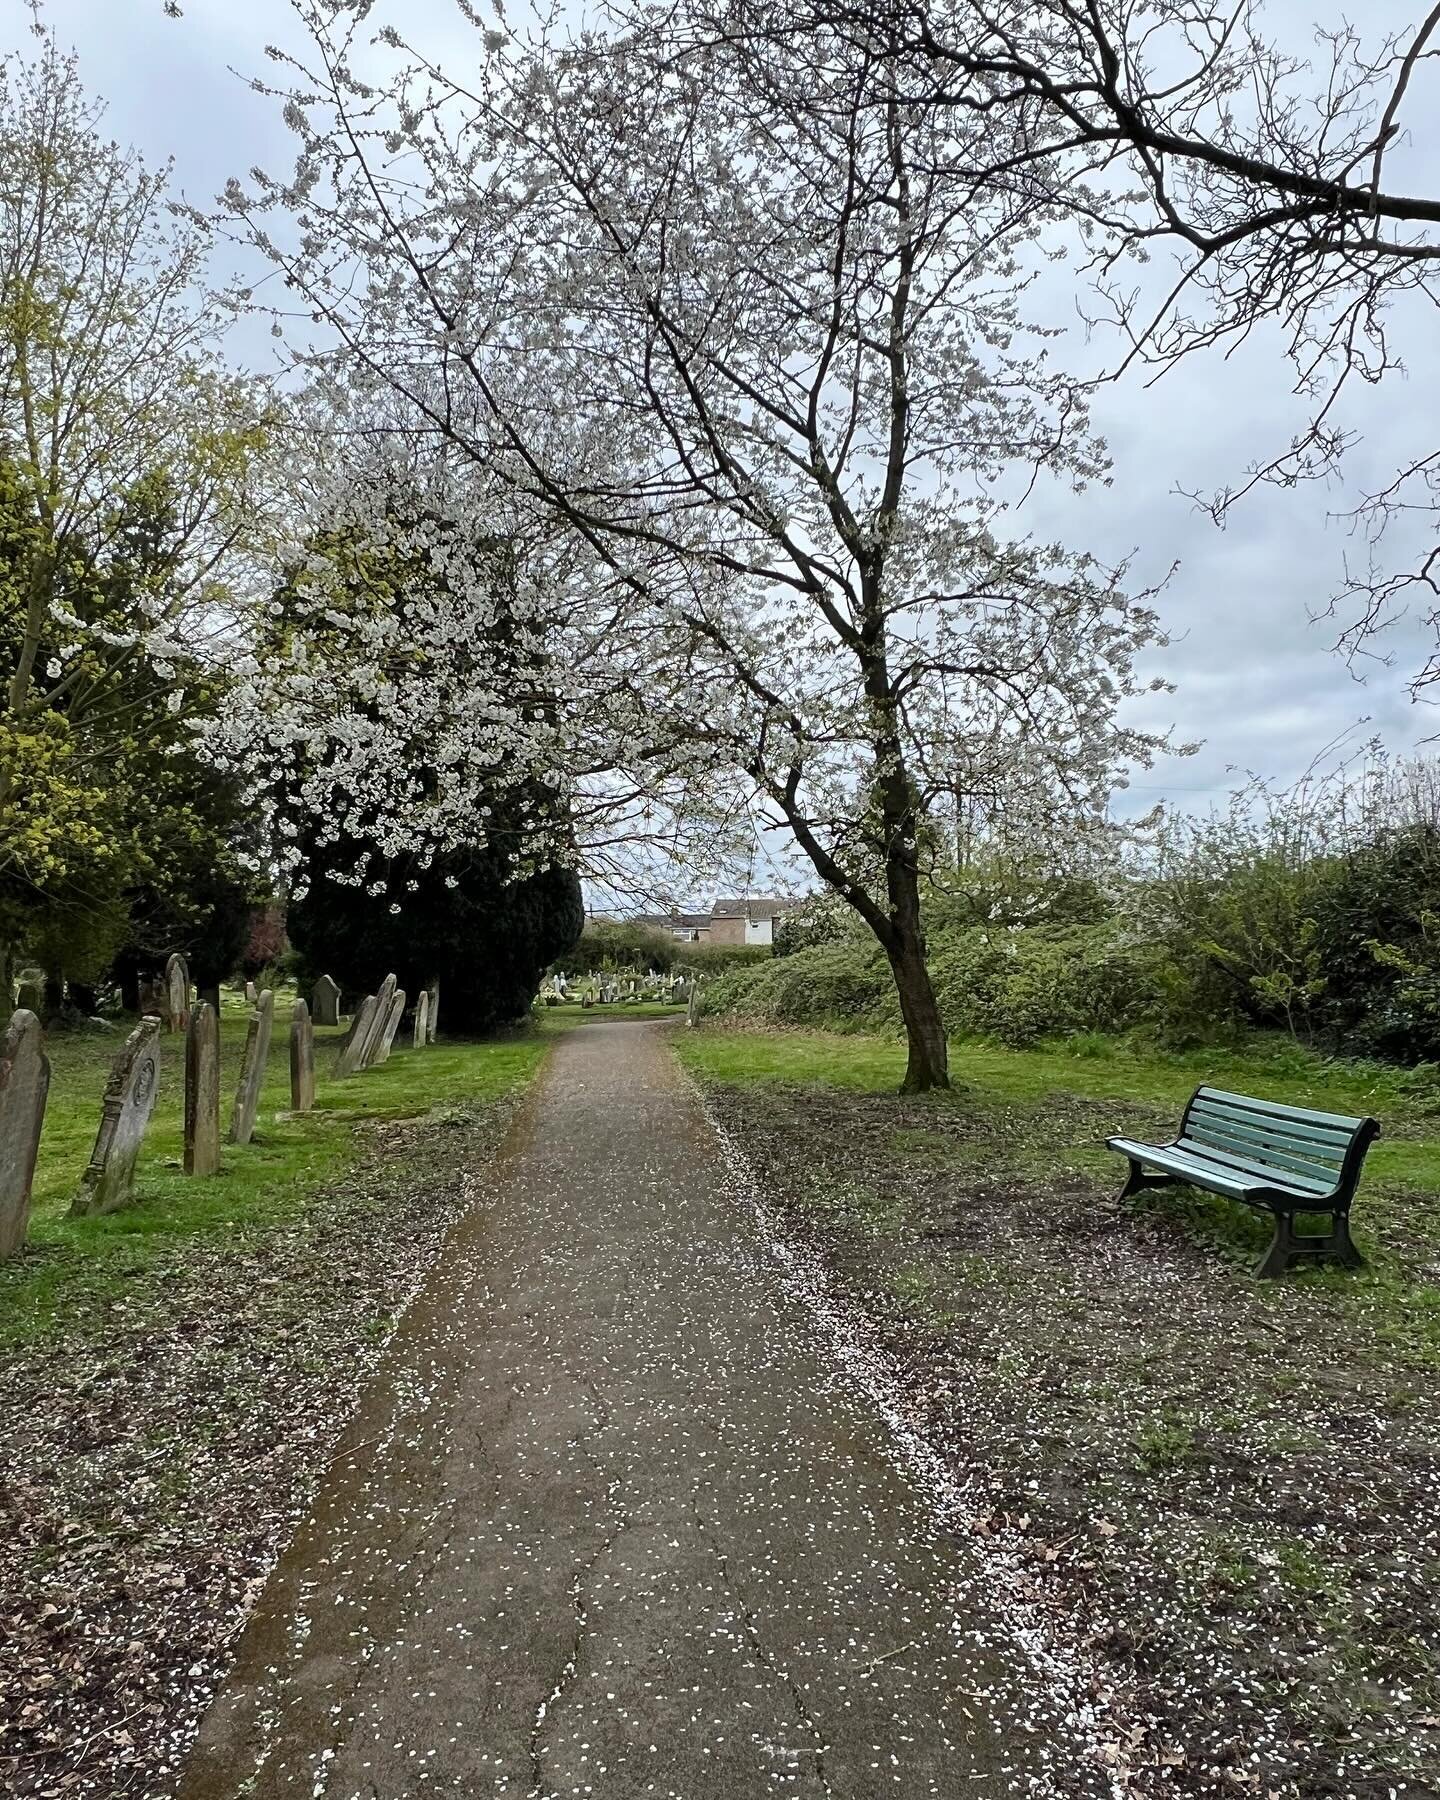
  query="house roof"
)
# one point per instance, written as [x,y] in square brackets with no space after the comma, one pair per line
[684,921]
[749,909]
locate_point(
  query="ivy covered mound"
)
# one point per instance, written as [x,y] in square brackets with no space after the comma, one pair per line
[486,938]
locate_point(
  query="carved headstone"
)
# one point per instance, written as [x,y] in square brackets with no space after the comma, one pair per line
[175,995]
[252,1069]
[326,1001]
[392,1025]
[355,1039]
[422,1014]
[202,1091]
[302,1059]
[432,1012]
[125,1112]
[370,1046]
[24,1083]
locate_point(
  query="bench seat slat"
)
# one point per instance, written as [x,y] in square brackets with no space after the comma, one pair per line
[1270,1171]
[1300,1114]
[1325,1138]
[1188,1167]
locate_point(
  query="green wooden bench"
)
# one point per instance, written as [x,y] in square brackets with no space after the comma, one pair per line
[1282,1160]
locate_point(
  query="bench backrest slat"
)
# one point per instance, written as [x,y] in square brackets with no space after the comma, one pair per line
[1255,1141]
[1247,1160]
[1298,1115]
[1302,1147]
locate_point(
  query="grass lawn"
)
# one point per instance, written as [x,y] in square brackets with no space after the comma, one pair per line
[1224,1494]
[70,1265]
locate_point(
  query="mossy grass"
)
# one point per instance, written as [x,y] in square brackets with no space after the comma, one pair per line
[74,1265]
[1027,1129]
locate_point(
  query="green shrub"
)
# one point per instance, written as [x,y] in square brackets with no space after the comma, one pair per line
[832,987]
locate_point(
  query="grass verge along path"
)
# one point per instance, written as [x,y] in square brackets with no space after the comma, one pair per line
[1231,1489]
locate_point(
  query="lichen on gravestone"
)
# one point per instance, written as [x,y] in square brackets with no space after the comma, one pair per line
[24,1084]
[109,1178]
[392,1025]
[356,1038]
[175,994]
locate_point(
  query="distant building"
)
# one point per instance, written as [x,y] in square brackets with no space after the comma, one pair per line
[745,921]
[727,922]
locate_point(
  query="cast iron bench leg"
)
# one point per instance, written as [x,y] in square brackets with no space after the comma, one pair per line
[1137,1179]
[1289,1247]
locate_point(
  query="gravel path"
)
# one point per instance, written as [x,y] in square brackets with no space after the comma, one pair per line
[611,1521]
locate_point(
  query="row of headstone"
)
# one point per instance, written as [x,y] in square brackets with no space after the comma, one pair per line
[129,1102]
[373,1029]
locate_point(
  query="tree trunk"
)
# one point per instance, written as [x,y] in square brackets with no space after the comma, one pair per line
[929,1063]
[54,994]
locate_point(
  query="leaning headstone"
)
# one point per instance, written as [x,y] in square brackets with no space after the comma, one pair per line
[356,1037]
[252,1069]
[692,1010]
[125,1112]
[392,1025]
[326,1001]
[202,1091]
[371,1045]
[422,1015]
[175,994]
[24,1083]
[432,1012]
[302,1059]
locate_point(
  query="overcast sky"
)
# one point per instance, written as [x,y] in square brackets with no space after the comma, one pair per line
[1255,680]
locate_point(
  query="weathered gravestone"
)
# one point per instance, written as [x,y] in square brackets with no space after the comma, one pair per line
[326,1002]
[302,1059]
[432,1012]
[252,1069]
[125,1113]
[355,1038]
[370,1046]
[24,1083]
[392,1025]
[202,1091]
[422,1014]
[692,1009]
[250,995]
[175,995]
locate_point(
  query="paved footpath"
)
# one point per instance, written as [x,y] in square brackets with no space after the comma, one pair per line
[609,1522]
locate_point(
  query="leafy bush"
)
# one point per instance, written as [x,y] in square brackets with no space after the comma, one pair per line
[832,987]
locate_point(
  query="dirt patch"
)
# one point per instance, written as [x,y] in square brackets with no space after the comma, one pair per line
[153,1464]
[1229,1491]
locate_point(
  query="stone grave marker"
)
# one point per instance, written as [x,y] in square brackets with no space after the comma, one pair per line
[202,1091]
[250,995]
[175,995]
[432,1012]
[371,1043]
[392,1025]
[252,1069]
[24,1083]
[125,1112]
[692,1007]
[355,1038]
[302,1059]
[326,1002]
[422,1015]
